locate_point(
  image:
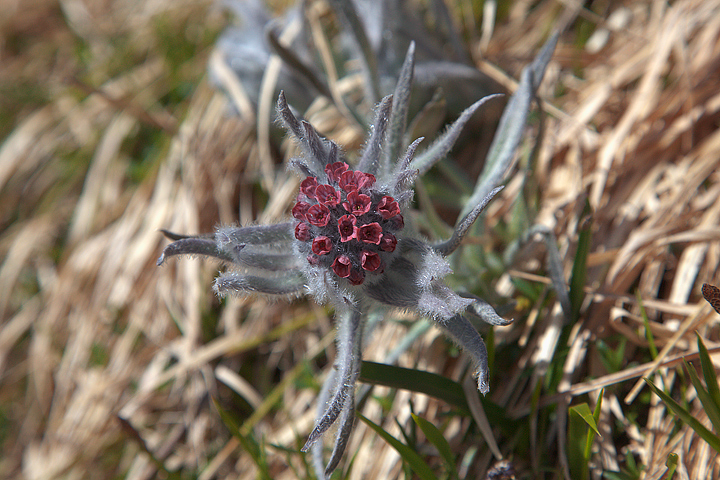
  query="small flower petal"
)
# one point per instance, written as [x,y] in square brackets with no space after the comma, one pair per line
[358,203]
[356,277]
[327,195]
[308,186]
[396,223]
[334,170]
[302,232]
[341,266]
[388,207]
[318,215]
[388,242]
[354,180]
[300,209]
[367,181]
[347,181]
[321,245]
[370,261]
[346,227]
[370,233]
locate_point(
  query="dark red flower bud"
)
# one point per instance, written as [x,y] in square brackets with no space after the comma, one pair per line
[327,195]
[302,232]
[321,245]
[388,242]
[370,261]
[354,180]
[334,170]
[346,226]
[388,207]
[318,215]
[308,186]
[356,277]
[367,181]
[300,209]
[341,266]
[347,181]
[357,204]
[370,233]
[396,223]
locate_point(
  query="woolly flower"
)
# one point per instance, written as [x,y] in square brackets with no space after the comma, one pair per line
[348,245]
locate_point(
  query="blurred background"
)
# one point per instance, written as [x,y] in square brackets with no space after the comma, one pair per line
[120,118]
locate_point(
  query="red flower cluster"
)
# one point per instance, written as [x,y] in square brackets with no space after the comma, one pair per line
[348,225]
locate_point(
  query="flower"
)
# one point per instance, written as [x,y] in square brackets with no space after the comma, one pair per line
[344,224]
[359,204]
[348,245]
[388,207]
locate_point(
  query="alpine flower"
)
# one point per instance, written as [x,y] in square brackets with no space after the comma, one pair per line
[350,243]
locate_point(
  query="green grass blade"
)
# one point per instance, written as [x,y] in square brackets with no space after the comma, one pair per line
[583,411]
[577,432]
[579,452]
[416,463]
[712,409]
[708,370]
[591,432]
[130,431]
[248,443]
[579,269]
[712,439]
[646,323]
[415,380]
[435,436]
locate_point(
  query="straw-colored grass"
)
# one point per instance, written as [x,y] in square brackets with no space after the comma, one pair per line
[112,132]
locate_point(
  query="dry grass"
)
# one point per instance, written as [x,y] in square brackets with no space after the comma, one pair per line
[109,138]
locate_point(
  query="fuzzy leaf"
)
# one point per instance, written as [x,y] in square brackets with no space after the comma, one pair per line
[369,161]
[462,332]
[398,116]
[293,61]
[348,365]
[255,235]
[512,124]
[555,268]
[314,145]
[483,311]
[270,262]
[449,246]
[194,246]
[322,399]
[299,131]
[351,23]
[347,420]
[440,147]
[238,284]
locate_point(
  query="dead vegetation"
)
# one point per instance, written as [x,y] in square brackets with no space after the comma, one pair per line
[109,138]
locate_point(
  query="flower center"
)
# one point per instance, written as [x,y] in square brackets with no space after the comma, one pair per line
[345,225]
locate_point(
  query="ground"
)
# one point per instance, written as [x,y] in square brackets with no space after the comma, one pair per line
[111,367]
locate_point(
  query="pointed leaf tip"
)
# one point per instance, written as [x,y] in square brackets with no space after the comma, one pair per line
[445,142]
